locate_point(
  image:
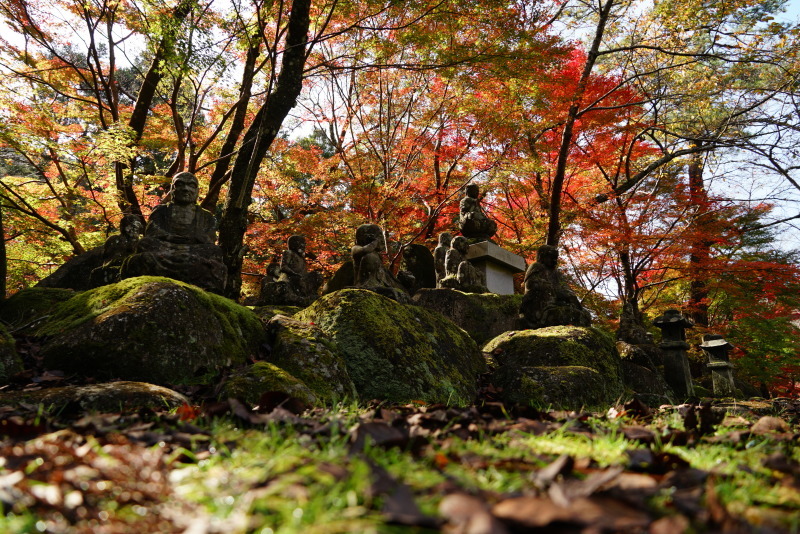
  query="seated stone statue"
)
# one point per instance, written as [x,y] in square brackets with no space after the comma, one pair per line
[440,255]
[474,222]
[548,300]
[460,273]
[116,248]
[179,241]
[368,270]
[417,268]
[293,286]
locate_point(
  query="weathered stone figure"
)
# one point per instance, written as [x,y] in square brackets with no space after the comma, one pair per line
[440,255]
[474,222]
[548,300]
[179,241]
[417,268]
[460,273]
[292,286]
[368,270]
[116,248]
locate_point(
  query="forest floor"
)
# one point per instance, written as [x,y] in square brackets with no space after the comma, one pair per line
[226,468]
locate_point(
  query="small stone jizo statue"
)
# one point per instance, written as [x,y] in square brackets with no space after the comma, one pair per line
[460,273]
[288,283]
[116,248]
[548,299]
[368,270]
[440,255]
[473,221]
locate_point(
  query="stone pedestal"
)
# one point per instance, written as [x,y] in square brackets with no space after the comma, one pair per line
[497,264]
[716,348]
[676,368]
[722,378]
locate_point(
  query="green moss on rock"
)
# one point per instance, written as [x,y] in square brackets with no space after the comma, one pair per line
[118,397]
[557,347]
[398,352]
[10,362]
[309,354]
[483,315]
[568,387]
[152,329]
[25,307]
[249,383]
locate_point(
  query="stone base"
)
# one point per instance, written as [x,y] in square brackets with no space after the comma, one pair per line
[497,264]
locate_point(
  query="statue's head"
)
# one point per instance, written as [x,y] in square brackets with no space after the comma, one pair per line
[367,233]
[547,255]
[460,243]
[184,188]
[297,243]
[472,190]
[445,238]
[131,226]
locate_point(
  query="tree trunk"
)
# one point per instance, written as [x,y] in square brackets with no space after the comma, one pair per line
[700,246]
[256,142]
[554,213]
[127,201]
[220,174]
[3,259]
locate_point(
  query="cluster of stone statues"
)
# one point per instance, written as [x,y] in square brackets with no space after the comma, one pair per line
[179,238]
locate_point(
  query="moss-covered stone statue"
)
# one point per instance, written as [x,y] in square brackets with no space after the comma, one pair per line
[368,269]
[548,300]
[440,256]
[293,286]
[116,249]
[473,221]
[460,273]
[179,241]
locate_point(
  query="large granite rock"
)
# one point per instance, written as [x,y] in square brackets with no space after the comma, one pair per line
[10,362]
[309,354]
[150,329]
[566,366]
[483,315]
[398,352]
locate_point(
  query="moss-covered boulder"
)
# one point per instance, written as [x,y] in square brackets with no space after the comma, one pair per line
[25,307]
[306,352]
[151,329]
[395,351]
[249,383]
[117,397]
[569,386]
[483,315]
[550,356]
[10,362]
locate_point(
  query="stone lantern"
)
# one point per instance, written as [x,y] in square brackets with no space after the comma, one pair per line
[673,345]
[716,348]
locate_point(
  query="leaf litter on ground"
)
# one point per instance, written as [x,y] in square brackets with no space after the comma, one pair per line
[228,467]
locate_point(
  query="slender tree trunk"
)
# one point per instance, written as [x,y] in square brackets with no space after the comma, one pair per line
[554,213]
[127,201]
[256,142]
[3,259]
[220,174]
[700,246]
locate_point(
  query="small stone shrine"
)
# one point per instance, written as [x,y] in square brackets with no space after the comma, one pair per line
[716,349]
[548,299]
[368,269]
[179,241]
[673,345]
[293,286]
[460,274]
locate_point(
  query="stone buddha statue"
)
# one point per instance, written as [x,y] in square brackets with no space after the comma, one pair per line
[179,241]
[473,221]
